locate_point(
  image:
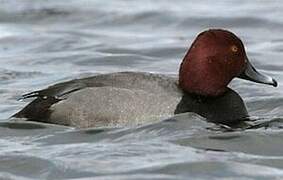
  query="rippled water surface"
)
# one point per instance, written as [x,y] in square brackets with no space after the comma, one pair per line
[44,42]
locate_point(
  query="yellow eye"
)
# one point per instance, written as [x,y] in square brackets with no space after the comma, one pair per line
[234,48]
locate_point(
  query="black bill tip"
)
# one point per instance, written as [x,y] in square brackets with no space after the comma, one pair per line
[275,84]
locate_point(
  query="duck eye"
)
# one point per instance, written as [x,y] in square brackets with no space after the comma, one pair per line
[234,48]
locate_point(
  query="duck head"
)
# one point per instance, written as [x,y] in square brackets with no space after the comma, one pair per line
[215,57]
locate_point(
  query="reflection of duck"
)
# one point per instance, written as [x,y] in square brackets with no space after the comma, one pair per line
[213,60]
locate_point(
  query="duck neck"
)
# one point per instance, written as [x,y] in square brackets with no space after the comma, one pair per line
[197,79]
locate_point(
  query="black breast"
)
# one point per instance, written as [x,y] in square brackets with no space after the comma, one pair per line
[226,109]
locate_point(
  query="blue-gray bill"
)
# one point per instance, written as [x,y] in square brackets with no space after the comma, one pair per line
[251,74]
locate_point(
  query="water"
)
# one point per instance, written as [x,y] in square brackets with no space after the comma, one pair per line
[45,42]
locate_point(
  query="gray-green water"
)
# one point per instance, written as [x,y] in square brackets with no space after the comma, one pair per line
[45,42]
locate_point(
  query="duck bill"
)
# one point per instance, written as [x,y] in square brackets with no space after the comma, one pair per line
[251,74]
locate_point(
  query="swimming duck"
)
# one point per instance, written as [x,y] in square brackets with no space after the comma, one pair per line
[131,98]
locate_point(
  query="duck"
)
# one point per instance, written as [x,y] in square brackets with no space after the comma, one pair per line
[121,99]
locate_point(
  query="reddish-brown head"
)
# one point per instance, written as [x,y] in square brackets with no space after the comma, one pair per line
[213,60]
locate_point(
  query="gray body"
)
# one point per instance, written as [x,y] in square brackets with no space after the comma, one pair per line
[125,99]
